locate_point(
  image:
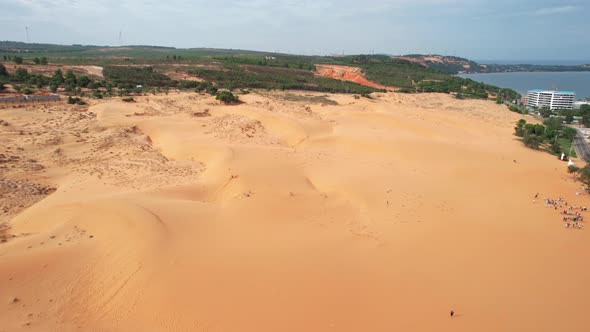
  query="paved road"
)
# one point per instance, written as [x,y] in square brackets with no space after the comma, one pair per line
[581,147]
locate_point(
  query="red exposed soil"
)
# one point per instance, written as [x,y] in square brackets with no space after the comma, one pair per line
[346,73]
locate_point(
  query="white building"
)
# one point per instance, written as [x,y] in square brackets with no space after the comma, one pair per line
[578,104]
[550,99]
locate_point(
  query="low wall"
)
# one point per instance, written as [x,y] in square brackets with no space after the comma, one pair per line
[18,99]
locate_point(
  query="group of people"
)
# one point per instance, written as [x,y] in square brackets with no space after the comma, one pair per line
[572,214]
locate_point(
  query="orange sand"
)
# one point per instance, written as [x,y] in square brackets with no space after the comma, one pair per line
[372,215]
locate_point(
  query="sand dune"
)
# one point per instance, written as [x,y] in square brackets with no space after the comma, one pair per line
[284,215]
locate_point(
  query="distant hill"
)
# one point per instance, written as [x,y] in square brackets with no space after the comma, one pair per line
[445,64]
[456,65]
[91,53]
[165,67]
[128,50]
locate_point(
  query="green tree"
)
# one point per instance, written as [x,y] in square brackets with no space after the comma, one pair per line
[569,133]
[3,71]
[36,60]
[43,60]
[550,134]
[83,81]
[545,112]
[18,60]
[93,85]
[519,129]
[569,118]
[53,87]
[70,78]
[58,77]
[555,147]
[21,74]
[529,129]
[28,91]
[539,130]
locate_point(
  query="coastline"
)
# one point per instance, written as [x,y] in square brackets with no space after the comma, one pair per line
[523,81]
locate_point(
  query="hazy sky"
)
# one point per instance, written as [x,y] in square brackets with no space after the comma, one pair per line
[477,29]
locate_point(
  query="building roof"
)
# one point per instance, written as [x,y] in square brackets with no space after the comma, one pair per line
[552,91]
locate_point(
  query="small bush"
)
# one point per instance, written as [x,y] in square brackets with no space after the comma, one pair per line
[128,99]
[404,90]
[76,100]
[532,141]
[202,86]
[573,169]
[188,84]
[227,97]
[212,90]
[97,94]
[129,77]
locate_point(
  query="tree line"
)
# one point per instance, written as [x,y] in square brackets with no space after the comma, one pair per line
[551,136]
[234,76]
[19,60]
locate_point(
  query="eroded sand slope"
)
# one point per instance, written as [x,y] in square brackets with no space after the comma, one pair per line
[283,215]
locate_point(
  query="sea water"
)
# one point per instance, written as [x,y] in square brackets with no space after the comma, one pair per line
[524,81]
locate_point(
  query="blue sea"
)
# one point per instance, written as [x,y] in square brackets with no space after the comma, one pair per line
[522,82]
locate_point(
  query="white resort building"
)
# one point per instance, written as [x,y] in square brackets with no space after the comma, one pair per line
[553,100]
